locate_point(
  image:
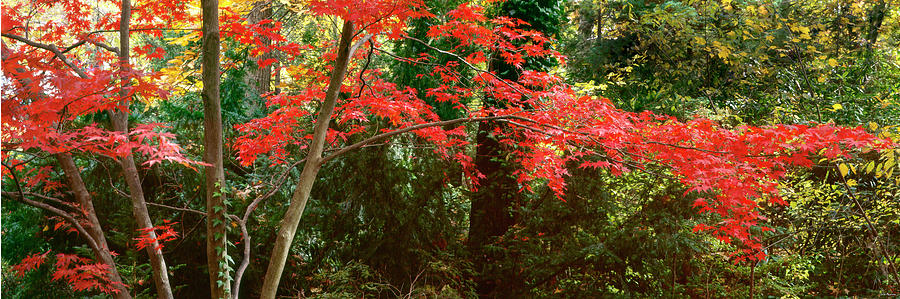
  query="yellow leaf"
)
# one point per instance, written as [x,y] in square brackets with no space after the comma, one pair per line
[837,107]
[184,40]
[843,169]
[724,52]
[873,126]
[699,40]
[832,62]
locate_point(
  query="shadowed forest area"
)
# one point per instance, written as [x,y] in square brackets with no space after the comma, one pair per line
[450,149]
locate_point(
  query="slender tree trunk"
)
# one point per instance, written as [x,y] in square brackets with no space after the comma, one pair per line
[219,276]
[94,230]
[288,225]
[600,12]
[119,121]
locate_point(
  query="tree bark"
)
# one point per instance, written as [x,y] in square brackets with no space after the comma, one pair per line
[288,225]
[94,230]
[490,214]
[875,18]
[260,79]
[219,276]
[119,121]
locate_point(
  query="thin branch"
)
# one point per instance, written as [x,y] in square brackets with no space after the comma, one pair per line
[144,29]
[687,147]
[177,208]
[386,135]
[466,62]
[872,229]
[93,42]
[50,48]
[363,71]
[245,261]
[68,217]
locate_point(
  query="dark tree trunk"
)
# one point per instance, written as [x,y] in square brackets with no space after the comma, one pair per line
[493,204]
[490,215]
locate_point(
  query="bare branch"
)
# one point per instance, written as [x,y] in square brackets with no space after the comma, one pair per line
[177,208]
[384,136]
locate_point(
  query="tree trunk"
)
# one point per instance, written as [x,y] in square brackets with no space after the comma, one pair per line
[490,215]
[288,225]
[600,13]
[492,210]
[260,79]
[875,17]
[119,121]
[94,230]
[219,276]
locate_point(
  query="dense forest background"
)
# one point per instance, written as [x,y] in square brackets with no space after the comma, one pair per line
[397,220]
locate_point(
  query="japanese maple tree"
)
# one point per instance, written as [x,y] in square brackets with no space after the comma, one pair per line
[549,125]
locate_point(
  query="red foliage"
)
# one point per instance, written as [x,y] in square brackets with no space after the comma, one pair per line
[156,235]
[83,274]
[549,125]
[43,98]
[79,272]
[29,263]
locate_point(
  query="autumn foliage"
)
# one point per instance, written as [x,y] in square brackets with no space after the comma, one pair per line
[52,87]
[734,170]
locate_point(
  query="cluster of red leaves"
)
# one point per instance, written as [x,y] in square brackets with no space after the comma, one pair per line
[156,235]
[377,16]
[79,272]
[29,263]
[548,125]
[732,170]
[43,98]
[261,37]
[84,274]
[75,20]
